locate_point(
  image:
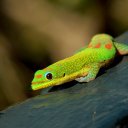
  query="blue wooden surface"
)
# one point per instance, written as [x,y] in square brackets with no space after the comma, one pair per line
[102,103]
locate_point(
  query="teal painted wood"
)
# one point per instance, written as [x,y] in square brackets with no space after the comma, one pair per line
[101,103]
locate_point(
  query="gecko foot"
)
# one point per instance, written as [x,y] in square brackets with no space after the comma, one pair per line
[84,79]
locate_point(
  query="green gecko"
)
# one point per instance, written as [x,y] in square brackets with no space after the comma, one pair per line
[82,66]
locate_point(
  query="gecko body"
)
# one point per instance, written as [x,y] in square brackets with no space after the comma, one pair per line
[82,66]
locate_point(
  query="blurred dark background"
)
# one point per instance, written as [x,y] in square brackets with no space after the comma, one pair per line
[34,34]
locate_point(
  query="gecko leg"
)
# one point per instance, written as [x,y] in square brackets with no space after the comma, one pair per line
[91,74]
[121,48]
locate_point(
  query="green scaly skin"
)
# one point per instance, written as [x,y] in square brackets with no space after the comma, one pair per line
[82,66]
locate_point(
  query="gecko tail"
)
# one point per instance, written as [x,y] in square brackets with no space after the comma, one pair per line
[121,48]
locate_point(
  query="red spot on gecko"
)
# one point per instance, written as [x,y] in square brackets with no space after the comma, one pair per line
[97,45]
[108,46]
[38,76]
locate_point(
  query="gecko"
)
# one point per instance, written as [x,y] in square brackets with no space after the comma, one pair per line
[83,66]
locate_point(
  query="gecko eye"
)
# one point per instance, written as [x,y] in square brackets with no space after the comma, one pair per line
[48,76]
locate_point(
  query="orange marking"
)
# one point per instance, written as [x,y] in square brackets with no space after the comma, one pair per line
[97,45]
[39,82]
[85,74]
[38,76]
[108,46]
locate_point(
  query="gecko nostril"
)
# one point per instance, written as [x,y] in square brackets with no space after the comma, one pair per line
[38,76]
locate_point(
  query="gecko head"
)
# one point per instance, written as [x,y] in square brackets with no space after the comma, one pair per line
[45,78]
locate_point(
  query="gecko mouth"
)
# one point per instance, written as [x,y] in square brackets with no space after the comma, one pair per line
[35,83]
[55,82]
[38,85]
[44,84]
